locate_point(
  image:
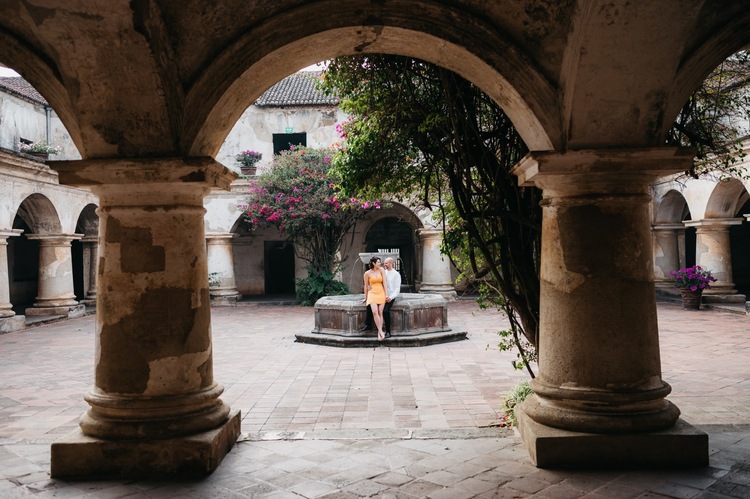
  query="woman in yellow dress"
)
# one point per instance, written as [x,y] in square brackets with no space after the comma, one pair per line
[375,293]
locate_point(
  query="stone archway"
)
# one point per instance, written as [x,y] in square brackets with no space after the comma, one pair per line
[674,244]
[86,255]
[713,237]
[35,215]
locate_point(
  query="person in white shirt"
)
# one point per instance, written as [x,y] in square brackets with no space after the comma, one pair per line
[392,289]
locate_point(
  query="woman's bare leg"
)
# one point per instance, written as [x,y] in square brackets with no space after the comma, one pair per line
[377,316]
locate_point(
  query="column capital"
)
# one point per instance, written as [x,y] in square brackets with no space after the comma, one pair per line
[55,238]
[612,168]
[668,226]
[713,223]
[429,232]
[220,235]
[6,233]
[195,171]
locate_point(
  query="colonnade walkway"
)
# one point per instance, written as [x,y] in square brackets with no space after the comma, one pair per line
[385,422]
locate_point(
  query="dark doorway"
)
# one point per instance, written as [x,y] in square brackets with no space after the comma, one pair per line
[23,266]
[279,267]
[76,253]
[391,233]
[283,141]
[739,243]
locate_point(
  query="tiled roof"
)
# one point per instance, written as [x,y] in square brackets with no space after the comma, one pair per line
[297,89]
[23,88]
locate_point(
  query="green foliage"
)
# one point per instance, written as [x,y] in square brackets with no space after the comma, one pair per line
[714,120]
[420,131]
[318,284]
[514,397]
[300,196]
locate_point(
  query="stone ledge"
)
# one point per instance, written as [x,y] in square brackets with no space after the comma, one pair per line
[71,311]
[735,298]
[678,447]
[419,340]
[11,324]
[77,456]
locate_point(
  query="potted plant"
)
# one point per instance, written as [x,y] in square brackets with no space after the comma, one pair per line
[39,149]
[691,281]
[247,161]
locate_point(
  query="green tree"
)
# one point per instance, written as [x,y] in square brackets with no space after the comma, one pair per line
[300,196]
[714,120]
[419,129]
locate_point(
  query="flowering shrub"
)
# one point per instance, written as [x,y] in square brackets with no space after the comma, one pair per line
[300,196]
[248,158]
[39,147]
[693,278]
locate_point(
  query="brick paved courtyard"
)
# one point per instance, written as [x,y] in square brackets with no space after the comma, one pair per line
[390,422]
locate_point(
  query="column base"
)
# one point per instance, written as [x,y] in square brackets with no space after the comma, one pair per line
[70,311]
[77,456]
[10,324]
[720,290]
[447,292]
[714,298]
[679,446]
[220,298]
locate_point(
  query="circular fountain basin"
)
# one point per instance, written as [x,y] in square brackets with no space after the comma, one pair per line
[416,319]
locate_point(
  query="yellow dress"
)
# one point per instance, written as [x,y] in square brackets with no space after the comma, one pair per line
[377,291]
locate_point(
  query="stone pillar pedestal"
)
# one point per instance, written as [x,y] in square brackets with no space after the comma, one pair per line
[55,288]
[599,398]
[712,252]
[221,261]
[666,241]
[91,257]
[9,321]
[436,267]
[154,407]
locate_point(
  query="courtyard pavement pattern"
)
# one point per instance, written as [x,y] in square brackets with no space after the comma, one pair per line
[385,422]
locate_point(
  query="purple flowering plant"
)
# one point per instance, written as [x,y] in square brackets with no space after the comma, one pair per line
[692,278]
[248,158]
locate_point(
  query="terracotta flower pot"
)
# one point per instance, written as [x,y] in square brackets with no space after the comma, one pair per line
[691,300]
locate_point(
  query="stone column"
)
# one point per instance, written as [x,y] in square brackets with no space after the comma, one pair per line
[55,294]
[436,267]
[221,261]
[91,256]
[712,252]
[154,407]
[9,321]
[599,398]
[666,252]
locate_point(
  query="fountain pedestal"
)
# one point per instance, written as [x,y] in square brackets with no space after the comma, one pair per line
[416,319]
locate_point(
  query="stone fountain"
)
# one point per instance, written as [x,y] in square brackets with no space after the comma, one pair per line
[416,320]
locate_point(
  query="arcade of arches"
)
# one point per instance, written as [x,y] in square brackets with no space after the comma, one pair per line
[148,90]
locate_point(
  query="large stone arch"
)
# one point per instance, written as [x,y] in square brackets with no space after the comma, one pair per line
[241,73]
[732,36]
[726,198]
